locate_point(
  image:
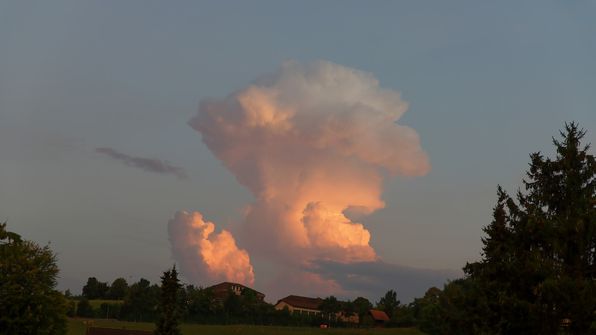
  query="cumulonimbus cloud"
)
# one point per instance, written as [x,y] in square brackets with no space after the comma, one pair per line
[146,164]
[206,255]
[313,143]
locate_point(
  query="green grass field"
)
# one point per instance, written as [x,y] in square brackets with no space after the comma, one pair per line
[77,327]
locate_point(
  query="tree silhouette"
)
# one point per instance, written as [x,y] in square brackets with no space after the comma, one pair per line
[389,303]
[29,303]
[538,271]
[330,307]
[118,289]
[168,322]
[94,289]
[362,306]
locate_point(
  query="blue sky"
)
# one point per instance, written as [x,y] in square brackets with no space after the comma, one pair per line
[487,83]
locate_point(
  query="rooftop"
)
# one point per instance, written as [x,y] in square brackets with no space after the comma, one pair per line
[378,315]
[302,302]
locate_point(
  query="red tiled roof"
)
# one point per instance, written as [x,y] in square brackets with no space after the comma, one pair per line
[378,315]
[302,302]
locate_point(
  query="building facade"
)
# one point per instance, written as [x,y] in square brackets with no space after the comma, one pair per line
[300,305]
[221,291]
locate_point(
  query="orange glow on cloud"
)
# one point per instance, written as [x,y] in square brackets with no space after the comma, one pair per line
[207,255]
[312,143]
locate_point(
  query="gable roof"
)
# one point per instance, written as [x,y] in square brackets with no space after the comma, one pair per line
[222,289]
[302,302]
[226,285]
[378,315]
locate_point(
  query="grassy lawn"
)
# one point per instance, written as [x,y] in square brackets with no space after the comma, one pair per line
[76,327]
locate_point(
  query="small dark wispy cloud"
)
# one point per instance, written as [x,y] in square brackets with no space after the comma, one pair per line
[373,279]
[146,164]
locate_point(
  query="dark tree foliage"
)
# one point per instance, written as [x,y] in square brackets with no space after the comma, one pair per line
[253,309]
[84,309]
[200,306]
[330,307]
[348,309]
[461,310]
[232,308]
[109,310]
[29,303]
[389,303]
[94,289]
[538,272]
[424,312]
[197,304]
[362,306]
[71,308]
[118,289]
[140,304]
[169,314]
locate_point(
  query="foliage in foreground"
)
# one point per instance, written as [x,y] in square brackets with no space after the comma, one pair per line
[168,322]
[29,304]
[539,267]
[537,274]
[538,271]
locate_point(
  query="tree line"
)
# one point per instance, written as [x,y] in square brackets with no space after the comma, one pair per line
[537,273]
[139,302]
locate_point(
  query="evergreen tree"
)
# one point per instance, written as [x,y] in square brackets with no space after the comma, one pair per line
[538,271]
[168,322]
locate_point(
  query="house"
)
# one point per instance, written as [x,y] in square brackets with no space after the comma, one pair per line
[379,317]
[221,291]
[301,305]
[310,306]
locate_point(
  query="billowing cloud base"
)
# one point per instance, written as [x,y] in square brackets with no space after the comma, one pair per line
[205,255]
[312,143]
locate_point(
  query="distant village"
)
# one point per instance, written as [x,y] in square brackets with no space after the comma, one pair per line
[227,303]
[297,305]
